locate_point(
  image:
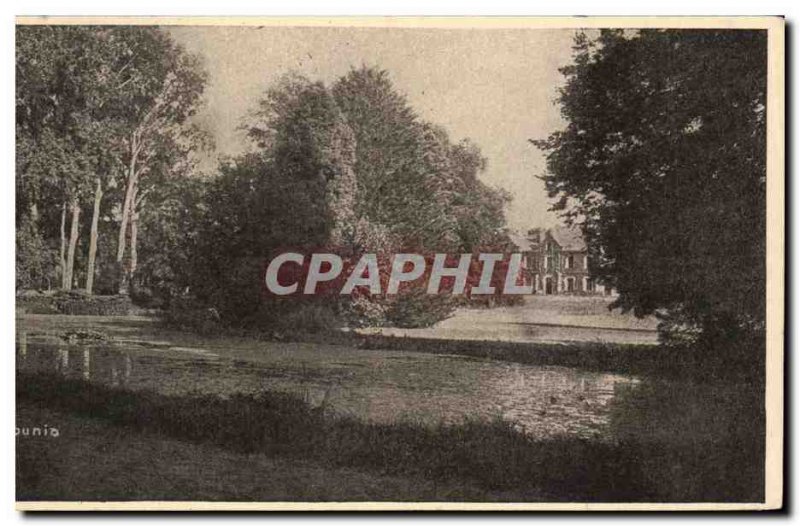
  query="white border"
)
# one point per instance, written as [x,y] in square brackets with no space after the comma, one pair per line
[775,229]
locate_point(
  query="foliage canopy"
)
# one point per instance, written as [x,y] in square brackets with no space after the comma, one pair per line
[663,164]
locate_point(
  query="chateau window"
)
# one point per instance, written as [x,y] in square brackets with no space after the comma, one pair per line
[568,262]
[585,262]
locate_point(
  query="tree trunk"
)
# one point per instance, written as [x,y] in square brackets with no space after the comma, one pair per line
[34,210]
[90,265]
[63,252]
[136,204]
[134,251]
[126,212]
[73,241]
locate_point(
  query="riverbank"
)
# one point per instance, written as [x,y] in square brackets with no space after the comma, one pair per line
[472,461]
[539,319]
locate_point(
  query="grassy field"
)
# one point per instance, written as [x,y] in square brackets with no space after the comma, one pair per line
[540,319]
[476,460]
[102,461]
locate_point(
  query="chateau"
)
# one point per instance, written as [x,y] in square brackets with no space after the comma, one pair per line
[556,261]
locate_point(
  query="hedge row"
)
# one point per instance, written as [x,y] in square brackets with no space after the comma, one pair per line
[74,303]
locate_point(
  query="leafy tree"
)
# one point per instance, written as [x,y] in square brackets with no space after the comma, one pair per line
[36,262]
[171,219]
[662,163]
[296,191]
[478,209]
[61,137]
[350,168]
[161,88]
[411,178]
[98,108]
[304,134]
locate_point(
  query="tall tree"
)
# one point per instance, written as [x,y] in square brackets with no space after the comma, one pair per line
[161,88]
[662,163]
[411,178]
[98,108]
[57,142]
[303,132]
[92,256]
[349,166]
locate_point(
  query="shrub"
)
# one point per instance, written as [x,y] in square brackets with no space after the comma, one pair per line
[33,302]
[75,303]
[363,311]
[80,303]
[108,279]
[148,298]
[416,308]
[35,261]
[313,317]
[188,314]
[490,301]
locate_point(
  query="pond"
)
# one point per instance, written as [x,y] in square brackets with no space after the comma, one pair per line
[378,386]
[697,434]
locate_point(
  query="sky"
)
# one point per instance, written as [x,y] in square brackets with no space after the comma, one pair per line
[496,87]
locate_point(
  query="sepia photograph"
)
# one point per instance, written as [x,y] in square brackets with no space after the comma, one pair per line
[408,263]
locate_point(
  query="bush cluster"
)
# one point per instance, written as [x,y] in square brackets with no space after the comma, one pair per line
[75,303]
[188,314]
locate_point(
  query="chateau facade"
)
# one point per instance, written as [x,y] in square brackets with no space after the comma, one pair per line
[556,261]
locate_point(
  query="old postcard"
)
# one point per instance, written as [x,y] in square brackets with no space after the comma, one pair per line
[399,263]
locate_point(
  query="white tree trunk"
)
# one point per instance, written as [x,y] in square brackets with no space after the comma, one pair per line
[127,204]
[90,265]
[63,251]
[73,242]
[134,251]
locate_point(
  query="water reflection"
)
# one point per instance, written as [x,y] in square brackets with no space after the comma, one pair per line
[111,367]
[379,386]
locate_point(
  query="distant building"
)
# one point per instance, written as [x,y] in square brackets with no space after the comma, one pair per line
[556,261]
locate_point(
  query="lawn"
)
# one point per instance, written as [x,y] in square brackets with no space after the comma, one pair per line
[110,433]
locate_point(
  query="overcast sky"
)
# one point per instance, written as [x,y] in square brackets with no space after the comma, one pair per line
[494,86]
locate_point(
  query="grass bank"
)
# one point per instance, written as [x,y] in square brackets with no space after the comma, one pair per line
[94,460]
[492,456]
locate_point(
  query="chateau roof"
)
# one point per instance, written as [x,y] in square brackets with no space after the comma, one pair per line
[568,238]
[522,241]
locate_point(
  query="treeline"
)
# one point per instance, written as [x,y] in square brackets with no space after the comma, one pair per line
[104,137]
[106,145]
